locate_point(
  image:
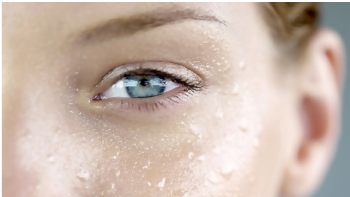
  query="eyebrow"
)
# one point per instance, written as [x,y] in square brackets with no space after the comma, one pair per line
[125,26]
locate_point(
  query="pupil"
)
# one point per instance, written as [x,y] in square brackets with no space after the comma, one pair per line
[144,82]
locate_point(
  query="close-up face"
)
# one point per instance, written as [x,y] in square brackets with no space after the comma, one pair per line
[163,99]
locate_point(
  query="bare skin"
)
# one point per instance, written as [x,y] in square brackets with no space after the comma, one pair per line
[240,133]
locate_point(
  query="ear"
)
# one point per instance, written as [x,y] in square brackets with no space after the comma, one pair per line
[321,79]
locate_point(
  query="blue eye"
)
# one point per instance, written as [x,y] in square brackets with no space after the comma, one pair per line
[140,86]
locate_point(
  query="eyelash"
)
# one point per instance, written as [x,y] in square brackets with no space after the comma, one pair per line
[190,88]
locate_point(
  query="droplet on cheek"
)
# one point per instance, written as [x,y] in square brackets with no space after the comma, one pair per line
[196,130]
[190,155]
[162,183]
[83,175]
[214,177]
[219,114]
[50,159]
[217,150]
[244,124]
[235,89]
[256,142]
[201,158]
[118,173]
[228,168]
[242,64]
[149,184]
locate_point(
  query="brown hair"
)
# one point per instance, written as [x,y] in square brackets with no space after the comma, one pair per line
[292,24]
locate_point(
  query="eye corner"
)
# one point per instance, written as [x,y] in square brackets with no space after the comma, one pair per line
[98,97]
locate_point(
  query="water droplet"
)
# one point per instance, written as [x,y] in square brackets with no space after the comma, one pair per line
[112,185]
[114,157]
[190,155]
[196,130]
[149,184]
[51,159]
[217,150]
[227,169]
[201,158]
[256,142]
[213,177]
[162,183]
[118,173]
[186,194]
[235,89]
[244,124]
[242,64]
[219,114]
[83,175]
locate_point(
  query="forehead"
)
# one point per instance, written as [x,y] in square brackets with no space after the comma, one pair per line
[64,21]
[88,11]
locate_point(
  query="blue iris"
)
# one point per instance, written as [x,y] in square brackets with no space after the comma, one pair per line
[142,86]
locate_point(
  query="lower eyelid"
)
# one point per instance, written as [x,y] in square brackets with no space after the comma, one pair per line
[152,110]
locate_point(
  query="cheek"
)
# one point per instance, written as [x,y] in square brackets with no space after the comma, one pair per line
[225,148]
[218,149]
[228,149]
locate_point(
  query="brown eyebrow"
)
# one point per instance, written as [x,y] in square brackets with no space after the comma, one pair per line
[130,25]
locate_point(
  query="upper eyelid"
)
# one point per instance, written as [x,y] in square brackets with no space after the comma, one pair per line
[119,70]
[108,75]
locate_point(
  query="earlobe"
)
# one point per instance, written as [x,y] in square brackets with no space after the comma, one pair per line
[313,152]
[318,115]
[314,122]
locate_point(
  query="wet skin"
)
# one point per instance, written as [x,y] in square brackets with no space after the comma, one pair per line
[221,138]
